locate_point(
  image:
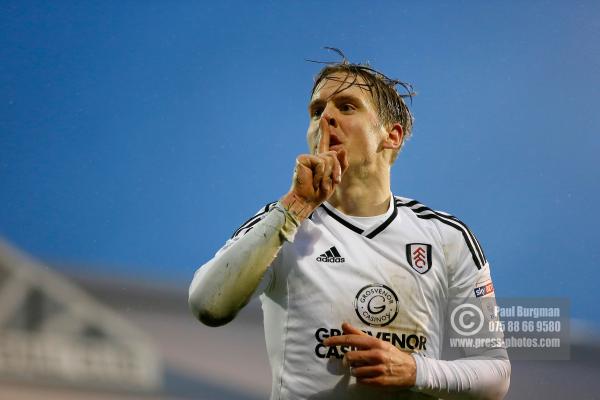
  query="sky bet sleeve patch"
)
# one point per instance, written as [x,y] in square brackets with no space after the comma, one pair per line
[484,289]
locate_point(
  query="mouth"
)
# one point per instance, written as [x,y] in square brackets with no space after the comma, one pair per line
[333,141]
[335,144]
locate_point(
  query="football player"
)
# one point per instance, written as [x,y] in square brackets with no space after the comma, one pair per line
[357,285]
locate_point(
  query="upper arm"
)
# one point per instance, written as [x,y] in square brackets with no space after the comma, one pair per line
[238,271]
[471,302]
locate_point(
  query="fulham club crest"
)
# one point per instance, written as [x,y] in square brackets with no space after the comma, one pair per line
[418,256]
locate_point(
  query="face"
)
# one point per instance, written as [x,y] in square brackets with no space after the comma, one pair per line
[353,121]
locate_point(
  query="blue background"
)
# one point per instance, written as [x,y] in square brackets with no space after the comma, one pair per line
[136,136]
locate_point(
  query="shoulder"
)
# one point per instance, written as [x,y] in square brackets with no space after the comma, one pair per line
[454,232]
[415,209]
[253,220]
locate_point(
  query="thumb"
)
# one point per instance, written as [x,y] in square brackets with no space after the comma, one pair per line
[351,330]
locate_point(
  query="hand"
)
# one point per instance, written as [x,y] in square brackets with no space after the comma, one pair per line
[376,362]
[316,175]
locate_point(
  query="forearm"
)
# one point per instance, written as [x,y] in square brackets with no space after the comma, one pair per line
[225,284]
[468,378]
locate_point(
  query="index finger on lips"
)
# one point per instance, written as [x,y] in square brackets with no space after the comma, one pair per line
[324,139]
[360,341]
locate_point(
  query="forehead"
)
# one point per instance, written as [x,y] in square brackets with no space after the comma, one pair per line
[341,82]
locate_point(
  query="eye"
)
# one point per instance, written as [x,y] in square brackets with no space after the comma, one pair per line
[347,107]
[316,112]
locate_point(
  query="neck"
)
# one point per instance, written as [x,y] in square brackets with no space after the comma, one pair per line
[362,193]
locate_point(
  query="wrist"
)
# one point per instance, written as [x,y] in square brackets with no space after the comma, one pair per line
[412,376]
[296,206]
[420,379]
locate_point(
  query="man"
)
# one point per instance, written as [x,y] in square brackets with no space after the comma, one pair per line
[339,250]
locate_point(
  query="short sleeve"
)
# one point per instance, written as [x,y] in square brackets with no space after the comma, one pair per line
[471,302]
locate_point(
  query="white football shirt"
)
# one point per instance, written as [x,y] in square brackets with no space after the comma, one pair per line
[395,279]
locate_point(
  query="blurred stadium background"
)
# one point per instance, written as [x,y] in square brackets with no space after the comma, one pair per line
[80,337]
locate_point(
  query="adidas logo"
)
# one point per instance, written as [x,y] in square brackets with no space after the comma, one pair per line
[331,256]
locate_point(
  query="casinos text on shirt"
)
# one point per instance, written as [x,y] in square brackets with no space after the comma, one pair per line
[400,340]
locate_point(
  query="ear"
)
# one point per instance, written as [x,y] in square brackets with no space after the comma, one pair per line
[394,137]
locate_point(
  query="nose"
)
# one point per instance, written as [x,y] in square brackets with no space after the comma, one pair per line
[329,119]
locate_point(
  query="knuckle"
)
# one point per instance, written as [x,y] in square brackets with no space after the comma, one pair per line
[369,381]
[380,355]
[376,381]
[380,344]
